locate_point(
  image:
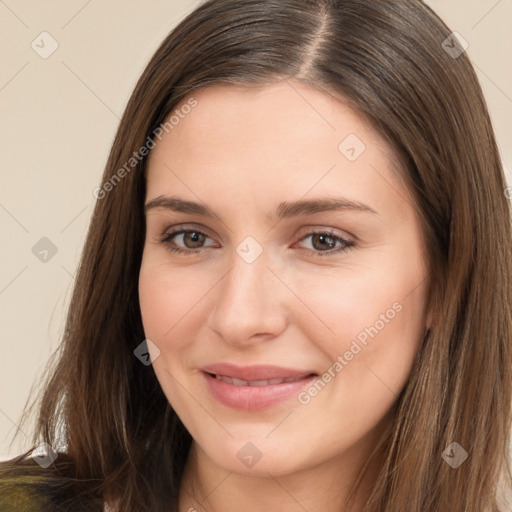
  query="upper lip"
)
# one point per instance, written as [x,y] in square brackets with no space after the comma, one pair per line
[255,372]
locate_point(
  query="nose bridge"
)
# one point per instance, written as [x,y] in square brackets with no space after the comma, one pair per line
[248,299]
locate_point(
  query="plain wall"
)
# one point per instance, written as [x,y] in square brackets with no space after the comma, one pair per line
[58,118]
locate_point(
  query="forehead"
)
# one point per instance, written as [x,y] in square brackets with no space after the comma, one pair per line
[253,115]
[282,139]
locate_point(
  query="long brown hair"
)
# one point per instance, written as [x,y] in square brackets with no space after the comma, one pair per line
[397,63]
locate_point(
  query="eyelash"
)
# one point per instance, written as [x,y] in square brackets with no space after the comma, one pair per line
[346,244]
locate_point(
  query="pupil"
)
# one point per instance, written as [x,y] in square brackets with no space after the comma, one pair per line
[324,239]
[196,237]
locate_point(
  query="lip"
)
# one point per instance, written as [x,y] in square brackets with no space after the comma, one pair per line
[259,397]
[255,372]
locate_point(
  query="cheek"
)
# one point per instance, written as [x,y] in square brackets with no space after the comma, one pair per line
[372,317]
[170,302]
[370,357]
[156,303]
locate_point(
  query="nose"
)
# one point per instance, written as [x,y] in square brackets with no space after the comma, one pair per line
[249,303]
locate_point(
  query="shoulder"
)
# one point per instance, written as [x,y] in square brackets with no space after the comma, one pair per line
[22,487]
[27,487]
[23,497]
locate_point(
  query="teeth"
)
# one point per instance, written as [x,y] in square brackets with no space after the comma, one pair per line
[239,382]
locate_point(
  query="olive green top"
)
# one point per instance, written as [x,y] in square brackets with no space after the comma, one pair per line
[27,487]
[23,497]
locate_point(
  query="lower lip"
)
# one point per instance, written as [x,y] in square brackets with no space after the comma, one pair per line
[254,398]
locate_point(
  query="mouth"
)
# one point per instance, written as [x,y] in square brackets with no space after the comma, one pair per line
[268,382]
[254,388]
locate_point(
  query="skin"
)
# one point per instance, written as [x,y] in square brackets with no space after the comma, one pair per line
[242,151]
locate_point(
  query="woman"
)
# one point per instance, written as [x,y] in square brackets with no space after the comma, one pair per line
[295,290]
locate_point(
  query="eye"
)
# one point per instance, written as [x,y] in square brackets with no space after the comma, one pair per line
[192,239]
[324,243]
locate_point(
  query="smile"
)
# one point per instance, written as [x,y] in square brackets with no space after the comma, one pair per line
[254,388]
[271,382]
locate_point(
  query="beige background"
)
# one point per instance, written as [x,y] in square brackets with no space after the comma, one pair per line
[58,118]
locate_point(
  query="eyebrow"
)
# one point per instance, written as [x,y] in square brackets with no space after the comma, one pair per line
[284,210]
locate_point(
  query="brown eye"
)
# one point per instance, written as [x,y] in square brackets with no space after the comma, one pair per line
[193,239]
[325,243]
[185,240]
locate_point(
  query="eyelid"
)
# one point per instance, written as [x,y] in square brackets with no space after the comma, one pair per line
[309,230]
[346,243]
[166,236]
[176,228]
[306,230]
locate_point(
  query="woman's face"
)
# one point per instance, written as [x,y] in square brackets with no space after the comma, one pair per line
[271,285]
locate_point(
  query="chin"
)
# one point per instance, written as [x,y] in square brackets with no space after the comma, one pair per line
[257,457]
